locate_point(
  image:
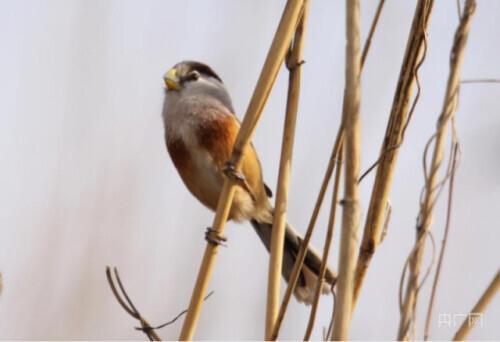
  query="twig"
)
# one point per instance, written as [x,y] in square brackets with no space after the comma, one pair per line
[326,249]
[368,41]
[294,62]
[425,216]
[406,264]
[128,306]
[459,9]
[274,59]
[479,308]
[183,312]
[443,242]
[330,326]
[350,212]
[480,80]
[398,121]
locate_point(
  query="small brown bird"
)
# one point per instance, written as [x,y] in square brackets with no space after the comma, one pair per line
[200,131]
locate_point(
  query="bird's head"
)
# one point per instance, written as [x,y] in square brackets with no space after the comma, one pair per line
[189,74]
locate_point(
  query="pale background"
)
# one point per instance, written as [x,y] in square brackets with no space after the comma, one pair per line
[86,181]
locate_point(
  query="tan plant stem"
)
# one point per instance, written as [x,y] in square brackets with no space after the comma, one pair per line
[368,41]
[326,179]
[350,212]
[479,308]
[307,237]
[425,215]
[326,249]
[393,137]
[444,241]
[274,59]
[294,63]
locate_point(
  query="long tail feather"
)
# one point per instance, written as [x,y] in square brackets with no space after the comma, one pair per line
[309,275]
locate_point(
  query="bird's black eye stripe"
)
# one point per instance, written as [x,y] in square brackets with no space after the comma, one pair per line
[192,76]
[203,69]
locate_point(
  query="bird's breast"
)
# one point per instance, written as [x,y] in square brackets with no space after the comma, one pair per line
[199,150]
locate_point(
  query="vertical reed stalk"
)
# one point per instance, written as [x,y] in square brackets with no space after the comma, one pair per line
[274,59]
[392,140]
[337,147]
[294,63]
[350,213]
[425,216]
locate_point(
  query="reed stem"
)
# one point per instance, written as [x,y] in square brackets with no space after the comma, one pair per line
[274,59]
[393,138]
[350,213]
[294,63]
[426,207]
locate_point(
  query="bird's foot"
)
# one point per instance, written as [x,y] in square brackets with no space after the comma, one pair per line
[231,172]
[213,237]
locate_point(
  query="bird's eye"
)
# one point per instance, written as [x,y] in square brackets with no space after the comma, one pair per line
[194,75]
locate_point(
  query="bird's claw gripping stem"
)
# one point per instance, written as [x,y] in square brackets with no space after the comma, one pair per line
[213,237]
[238,177]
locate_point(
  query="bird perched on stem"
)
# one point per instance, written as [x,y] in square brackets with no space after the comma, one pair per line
[200,131]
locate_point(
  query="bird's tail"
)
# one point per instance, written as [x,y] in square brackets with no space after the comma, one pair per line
[309,275]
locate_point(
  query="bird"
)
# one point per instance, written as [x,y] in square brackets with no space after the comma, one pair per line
[200,128]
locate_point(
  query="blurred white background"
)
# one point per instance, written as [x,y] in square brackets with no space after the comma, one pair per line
[86,181]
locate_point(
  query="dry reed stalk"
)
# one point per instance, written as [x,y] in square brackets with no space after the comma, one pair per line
[326,249]
[479,308]
[294,62]
[350,212]
[326,179]
[397,123]
[455,151]
[368,41]
[307,237]
[274,59]
[425,215]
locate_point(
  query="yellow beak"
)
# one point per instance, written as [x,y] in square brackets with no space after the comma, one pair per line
[172,80]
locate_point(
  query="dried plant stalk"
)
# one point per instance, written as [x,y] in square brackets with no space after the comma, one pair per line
[479,308]
[454,162]
[127,305]
[326,179]
[326,249]
[350,213]
[307,237]
[393,139]
[373,26]
[294,63]
[425,216]
[274,59]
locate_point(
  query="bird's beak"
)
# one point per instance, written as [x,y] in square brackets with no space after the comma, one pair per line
[172,80]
